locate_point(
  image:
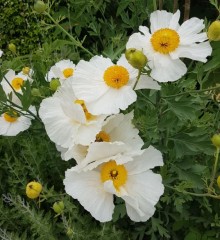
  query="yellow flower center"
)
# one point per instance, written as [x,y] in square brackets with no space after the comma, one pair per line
[165,40]
[116,76]
[10,117]
[116,173]
[68,72]
[26,70]
[102,136]
[17,83]
[88,115]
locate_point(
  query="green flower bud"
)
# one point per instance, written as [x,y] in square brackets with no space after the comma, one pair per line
[58,207]
[12,47]
[69,232]
[136,58]
[54,84]
[35,92]
[216,140]
[214,31]
[40,6]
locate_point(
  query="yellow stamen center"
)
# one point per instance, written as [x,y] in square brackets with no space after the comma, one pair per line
[17,83]
[68,72]
[88,115]
[165,40]
[10,117]
[116,173]
[102,136]
[116,76]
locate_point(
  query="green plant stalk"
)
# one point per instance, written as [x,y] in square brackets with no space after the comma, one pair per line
[138,77]
[77,43]
[195,91]
[214,170]
[155,4]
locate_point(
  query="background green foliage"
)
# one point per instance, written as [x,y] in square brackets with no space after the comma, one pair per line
[179,120]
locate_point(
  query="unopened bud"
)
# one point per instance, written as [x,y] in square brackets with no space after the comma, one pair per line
[54,84]
[40,6]
[136,58]
[214,31]
[33,189]
[12,47]
[216,140]
[69,232]
[58,207]
[25,70]
[35,92]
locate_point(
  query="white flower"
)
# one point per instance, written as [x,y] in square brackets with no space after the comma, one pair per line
[116,128]
[168,41]
[133,181]
[1,52]
[105,87]
[12,122]
[62,70]
[16,81]
[67,120]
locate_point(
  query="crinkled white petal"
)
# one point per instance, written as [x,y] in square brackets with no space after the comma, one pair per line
[144,191]
[162,19]
[146,82]
[100,152]
[165,69]
[112,101]
[88,81]
[189,30]
[198,52]
[150,158]
[120,128]
[88,189]
[137,41]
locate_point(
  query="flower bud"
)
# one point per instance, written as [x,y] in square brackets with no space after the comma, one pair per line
[12,47]
[54,84]
[35,92]
[33,189]
[40,6]
[214,31]
[216,140]
[25,70]
[136,58]
[58,207]
[218,181]
[69,232]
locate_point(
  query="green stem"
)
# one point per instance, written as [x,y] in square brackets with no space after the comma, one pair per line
[195,91]
[214,170]
[195,194]
[155,4]
[138,77]
[77,43]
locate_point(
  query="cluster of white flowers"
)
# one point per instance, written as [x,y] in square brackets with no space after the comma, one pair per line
[83,116]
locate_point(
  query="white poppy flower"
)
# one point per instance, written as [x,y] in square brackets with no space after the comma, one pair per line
[12,122]
[116,128]
[27,73]
[168,41]
[67,120]
[133,181]
[62,70]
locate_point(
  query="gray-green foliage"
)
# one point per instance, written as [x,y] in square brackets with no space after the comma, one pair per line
[179,120]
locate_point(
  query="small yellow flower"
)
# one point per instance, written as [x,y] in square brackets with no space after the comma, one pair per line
[218,181]
[33,189]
